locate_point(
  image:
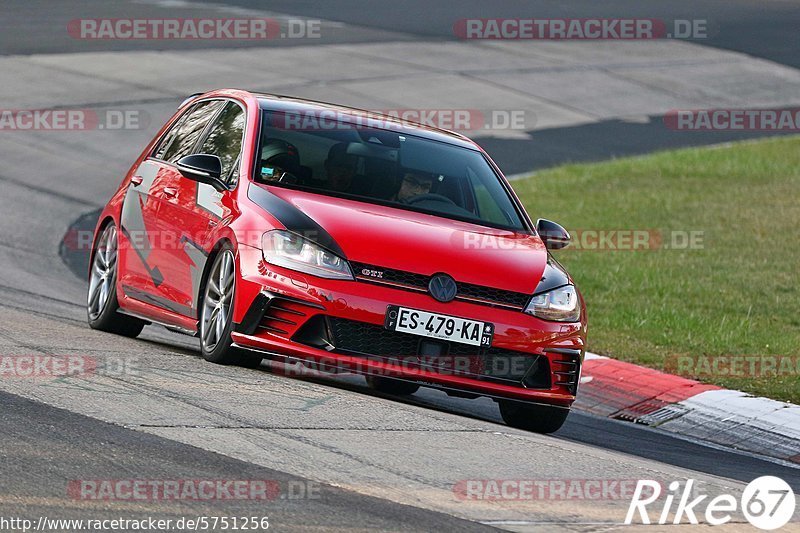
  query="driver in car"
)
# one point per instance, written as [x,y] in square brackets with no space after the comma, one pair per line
[279,162]
[413,184]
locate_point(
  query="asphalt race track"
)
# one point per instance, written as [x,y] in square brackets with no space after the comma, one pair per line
[344,457]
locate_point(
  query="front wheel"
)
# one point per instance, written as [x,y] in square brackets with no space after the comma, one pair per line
[216,314]
[216,311]
[101,300]
[537,418]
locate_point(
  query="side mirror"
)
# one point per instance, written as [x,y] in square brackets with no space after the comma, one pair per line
[553,235]
[204,168]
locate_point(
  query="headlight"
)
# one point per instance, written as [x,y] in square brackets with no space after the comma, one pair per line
[291,251]
[559,304]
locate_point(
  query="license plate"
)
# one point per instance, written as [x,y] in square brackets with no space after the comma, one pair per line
[436,326]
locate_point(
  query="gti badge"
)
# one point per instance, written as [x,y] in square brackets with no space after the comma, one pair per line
[442,287]
[372,273]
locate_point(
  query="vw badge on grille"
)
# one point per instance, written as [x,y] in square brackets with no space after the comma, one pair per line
[442,287]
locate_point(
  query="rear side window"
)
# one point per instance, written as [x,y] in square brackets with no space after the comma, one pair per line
[181,138]
[225,138]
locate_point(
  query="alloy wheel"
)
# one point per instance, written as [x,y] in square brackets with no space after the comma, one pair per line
[217,301]
[101,279]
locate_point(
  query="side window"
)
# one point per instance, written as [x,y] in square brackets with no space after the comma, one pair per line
[187,131]
[166,141]
[225,138]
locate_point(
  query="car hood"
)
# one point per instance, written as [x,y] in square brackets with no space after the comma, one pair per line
[424,244]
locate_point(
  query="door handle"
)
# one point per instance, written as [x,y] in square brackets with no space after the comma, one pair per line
[170,192]
[137,180]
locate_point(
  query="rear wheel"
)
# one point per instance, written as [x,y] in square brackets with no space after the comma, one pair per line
[101,300]
[538,418]
[392,386]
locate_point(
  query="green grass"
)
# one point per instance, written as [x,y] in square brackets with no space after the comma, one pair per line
[737,295]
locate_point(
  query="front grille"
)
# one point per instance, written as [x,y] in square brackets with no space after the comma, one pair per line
[490,364]
[488,294]
[419,282]
[388,275]
[361,337]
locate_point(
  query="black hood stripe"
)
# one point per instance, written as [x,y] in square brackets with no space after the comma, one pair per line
[293,218]
[554,276]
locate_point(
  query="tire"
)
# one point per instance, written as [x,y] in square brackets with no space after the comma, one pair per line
[537,418]
[216,310]
[392,386]
[101,298]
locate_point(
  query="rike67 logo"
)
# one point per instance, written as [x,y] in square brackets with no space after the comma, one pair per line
[768,503]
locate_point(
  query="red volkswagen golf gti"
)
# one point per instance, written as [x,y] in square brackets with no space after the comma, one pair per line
[346,241]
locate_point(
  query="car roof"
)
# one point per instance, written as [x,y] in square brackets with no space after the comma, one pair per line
[280,103]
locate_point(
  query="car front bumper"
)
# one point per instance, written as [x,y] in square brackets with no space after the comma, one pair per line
[338,326]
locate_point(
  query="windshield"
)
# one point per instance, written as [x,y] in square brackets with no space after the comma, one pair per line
[386,167]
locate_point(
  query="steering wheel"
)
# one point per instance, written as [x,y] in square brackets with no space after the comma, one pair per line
[430,197]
